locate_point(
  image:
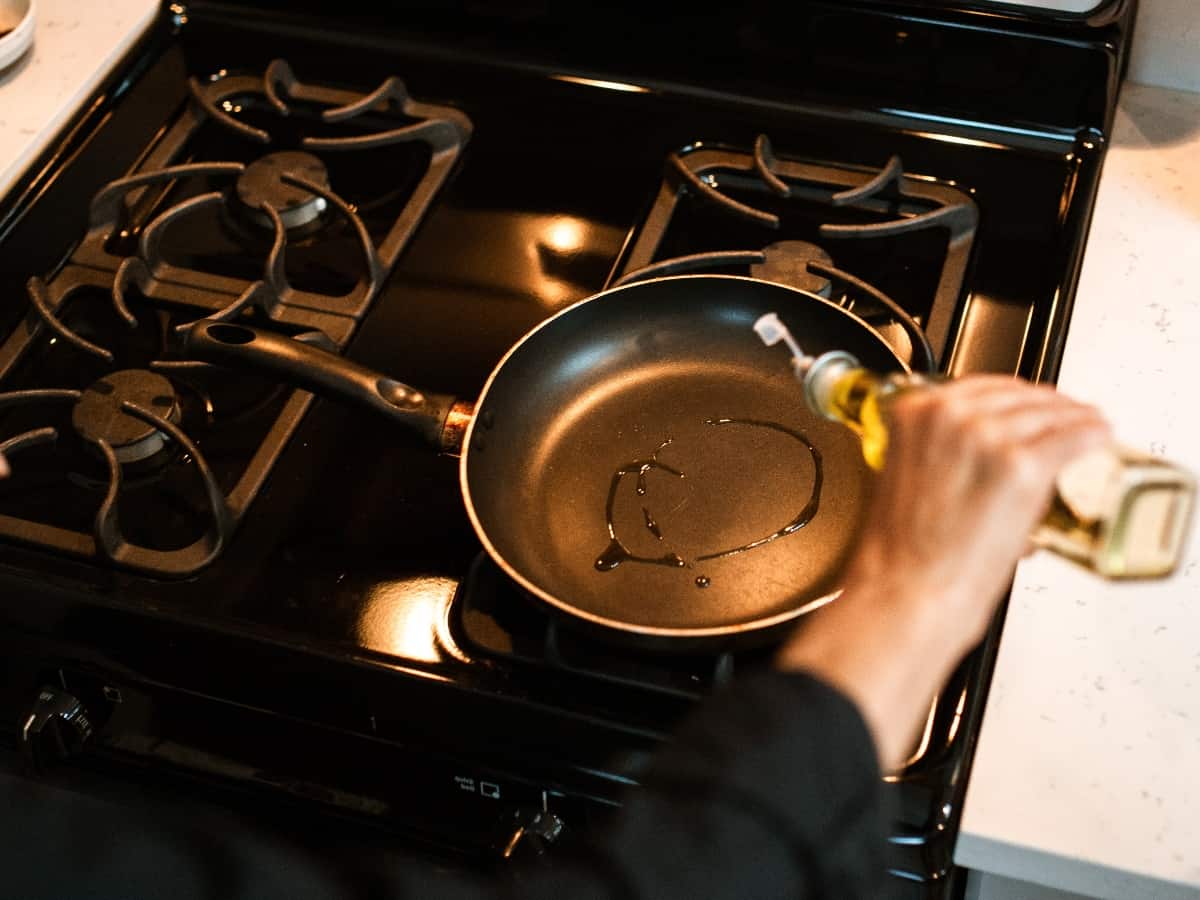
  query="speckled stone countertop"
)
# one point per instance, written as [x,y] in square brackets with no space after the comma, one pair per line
[74,47]
[1087,776]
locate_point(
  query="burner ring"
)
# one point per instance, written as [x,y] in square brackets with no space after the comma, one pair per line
[261,182]
[98,414]
[786,262]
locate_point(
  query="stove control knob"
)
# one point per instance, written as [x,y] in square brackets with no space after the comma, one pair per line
[55,728]
[536,831]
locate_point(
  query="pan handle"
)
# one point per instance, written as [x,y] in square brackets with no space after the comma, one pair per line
[325,374]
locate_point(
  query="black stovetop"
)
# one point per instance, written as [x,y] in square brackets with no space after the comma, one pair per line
[353,595]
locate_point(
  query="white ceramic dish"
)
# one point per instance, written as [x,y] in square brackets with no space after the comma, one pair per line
[16,30]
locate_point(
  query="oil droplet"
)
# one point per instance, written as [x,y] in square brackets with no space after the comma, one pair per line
[616,553]
[651,524]
[702,581]
[612,557]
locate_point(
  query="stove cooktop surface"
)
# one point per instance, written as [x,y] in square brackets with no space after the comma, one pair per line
[423,237]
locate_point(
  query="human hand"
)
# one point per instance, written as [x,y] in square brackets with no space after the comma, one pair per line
[4,470]
[970,472]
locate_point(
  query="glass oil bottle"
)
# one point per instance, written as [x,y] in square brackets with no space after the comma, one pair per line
[1118,512]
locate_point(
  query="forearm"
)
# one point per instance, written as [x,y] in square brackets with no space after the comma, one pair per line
[885,645]
[770,791]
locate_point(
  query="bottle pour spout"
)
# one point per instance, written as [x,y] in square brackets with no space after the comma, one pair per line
[771,331]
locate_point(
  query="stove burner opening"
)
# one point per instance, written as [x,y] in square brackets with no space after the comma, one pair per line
[98,414]
[262,182]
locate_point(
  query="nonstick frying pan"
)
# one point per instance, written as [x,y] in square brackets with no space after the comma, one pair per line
[639,461]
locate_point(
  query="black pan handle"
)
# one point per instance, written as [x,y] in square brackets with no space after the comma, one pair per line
[323,373]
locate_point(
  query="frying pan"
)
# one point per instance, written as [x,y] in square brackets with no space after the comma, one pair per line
[639,461]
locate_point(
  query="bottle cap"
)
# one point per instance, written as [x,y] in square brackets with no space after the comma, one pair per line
[823,373]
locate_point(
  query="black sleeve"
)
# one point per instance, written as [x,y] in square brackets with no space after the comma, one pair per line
[771,790]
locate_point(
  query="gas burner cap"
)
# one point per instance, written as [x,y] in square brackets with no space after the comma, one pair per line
[261,183]
[98,414]
[787,263]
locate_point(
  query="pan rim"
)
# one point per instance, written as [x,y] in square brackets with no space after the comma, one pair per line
[648,631]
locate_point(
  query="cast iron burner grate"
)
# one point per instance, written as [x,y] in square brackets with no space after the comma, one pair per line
[144,461]
[492,615]
[95,395]
[721,208]
[222,214]
[495,616]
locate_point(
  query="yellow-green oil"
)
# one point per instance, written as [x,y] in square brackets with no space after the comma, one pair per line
[856,400]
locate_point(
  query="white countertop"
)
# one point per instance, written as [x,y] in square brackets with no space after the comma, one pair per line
[74,47]
[1087,776]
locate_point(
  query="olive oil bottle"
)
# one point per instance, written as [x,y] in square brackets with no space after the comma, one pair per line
[1120,513]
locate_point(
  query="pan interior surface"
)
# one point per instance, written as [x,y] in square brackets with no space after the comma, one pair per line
[644,463]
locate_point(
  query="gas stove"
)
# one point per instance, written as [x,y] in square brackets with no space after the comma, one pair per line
[216,575]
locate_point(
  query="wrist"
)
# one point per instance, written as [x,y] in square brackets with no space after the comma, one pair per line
[927,603]
[884,645]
